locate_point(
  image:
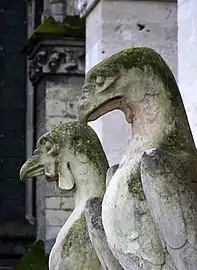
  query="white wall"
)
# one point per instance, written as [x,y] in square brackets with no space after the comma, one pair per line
[187,59]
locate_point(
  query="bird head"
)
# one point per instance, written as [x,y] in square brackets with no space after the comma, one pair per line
[123,79]
[62,150]
[139,82]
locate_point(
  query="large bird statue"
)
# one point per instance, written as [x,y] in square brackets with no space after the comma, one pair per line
[149,216]
[72,155]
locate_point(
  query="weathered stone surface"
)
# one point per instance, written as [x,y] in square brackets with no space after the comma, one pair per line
[64,90]
[56,217]
[187,59]
[51,232]
[84,7]
[49,93]
[67,203]
[171,193]
[72,155]
[93,210]
[110,173]
[53,202]
[54,62]
[58,60]
[138,82]
[123,24]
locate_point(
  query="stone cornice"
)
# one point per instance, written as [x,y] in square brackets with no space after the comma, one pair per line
[84,7]
[60,57]
[56,48]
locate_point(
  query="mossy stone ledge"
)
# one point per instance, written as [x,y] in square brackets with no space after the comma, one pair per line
[71,27]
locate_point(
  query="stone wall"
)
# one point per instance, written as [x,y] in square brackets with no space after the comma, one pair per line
[56,103]
[187,70]
[52,94]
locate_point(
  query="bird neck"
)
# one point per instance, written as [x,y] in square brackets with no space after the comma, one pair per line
[158,123]
[88,183]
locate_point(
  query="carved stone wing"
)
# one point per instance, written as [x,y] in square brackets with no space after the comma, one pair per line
[168,183]
[93,211]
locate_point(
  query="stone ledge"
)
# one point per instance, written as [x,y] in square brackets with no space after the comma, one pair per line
[50,59]
[56,48]
[84,7]
[72,26]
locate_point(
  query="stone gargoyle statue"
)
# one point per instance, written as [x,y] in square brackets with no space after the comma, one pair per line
[149,210]
[72,155]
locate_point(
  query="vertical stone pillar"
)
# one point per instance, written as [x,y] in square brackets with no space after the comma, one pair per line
[56,70]
[187,69]
[29,197]
[114,25]
[58,9]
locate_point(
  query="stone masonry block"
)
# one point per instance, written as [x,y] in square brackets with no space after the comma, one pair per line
[56,217]
[53,203]
[55,108]
[67,203]
[51,232]
[57,93]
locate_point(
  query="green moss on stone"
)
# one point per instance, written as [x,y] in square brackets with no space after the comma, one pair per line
[77,236]
[81,139]
[50,26]
[78,248]
[153,66]
[135,185]
[34,259]
[173,142]
[137,57]
[71,26]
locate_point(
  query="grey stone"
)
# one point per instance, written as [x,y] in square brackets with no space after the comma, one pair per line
[53,202]
[140,83]
[56,217]
[51,232]
[171,194]
[110,173]
[116,26]
[71,155]
[67,203]
[93,209]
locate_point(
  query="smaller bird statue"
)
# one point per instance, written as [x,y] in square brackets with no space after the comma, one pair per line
[72,155]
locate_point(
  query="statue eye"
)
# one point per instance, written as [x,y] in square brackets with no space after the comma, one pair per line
[48,146]
[100,80]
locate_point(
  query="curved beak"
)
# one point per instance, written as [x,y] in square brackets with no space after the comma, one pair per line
[31,168]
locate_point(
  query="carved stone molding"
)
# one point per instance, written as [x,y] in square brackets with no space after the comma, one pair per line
[84,7]
[58,9]
[56,59]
